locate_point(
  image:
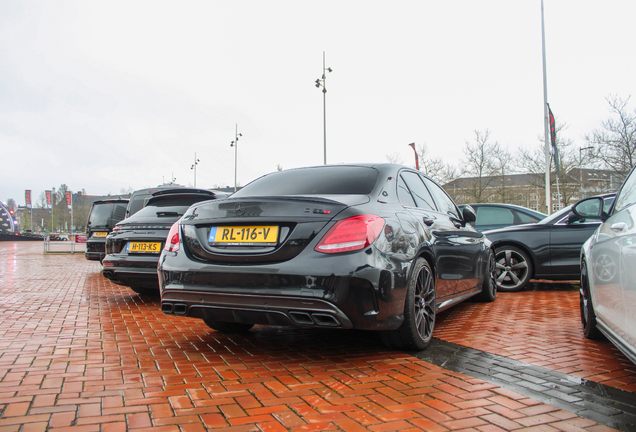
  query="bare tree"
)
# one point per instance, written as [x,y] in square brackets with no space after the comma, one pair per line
[479,169]
[431,166]
[435,167]
[567,182]
[502,163]
[394,158]
[615,142]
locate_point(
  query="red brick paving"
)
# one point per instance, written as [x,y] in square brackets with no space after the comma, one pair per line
[80,354]
[542,328]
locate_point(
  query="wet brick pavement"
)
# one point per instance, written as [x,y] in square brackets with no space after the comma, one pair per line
[78,353]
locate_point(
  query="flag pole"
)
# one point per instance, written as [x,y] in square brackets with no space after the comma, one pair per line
[546,120]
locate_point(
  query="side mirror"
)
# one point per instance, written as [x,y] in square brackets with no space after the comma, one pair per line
[468,214]
[589,208]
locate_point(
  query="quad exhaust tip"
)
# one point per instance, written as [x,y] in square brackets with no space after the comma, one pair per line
[316,318]
[300,318]
[174,308]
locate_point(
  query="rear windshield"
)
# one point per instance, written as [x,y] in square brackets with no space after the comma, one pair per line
[168,207]
[338,180]
[137,203]
[100,214]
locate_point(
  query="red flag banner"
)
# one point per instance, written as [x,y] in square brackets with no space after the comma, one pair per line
[68,199]
[417,159]
[48,198]
[27,198]
[555,151]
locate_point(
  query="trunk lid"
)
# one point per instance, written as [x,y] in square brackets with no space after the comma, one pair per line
[259,230]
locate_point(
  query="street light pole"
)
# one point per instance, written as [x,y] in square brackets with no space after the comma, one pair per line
[320,82]
[546,120]
[194,167]
[235,145]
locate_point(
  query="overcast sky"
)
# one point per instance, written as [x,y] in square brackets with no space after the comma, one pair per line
[108,95]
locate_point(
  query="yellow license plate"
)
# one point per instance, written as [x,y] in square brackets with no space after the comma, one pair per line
[244,235]
[100,234]
[145,247]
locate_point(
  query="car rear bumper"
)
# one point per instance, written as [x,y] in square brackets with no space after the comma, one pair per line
[137,271]
[95,250]
[328,294]
[94,256]
[254,308]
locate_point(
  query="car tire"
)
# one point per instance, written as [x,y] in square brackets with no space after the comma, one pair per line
[143,290]
[513,269]
[227,327]
[588,317]
[489,286]
[416,331]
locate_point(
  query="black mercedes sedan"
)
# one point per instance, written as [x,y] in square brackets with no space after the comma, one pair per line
[549,249]
[373,247]
[134,245]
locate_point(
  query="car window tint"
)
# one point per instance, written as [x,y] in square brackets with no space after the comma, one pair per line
[120,211]
[329,180]
[100,214]
[151,211]
[404,195]
[419,191]
[627,194]
[137,203]
[526,218]
[494,216]
[443,201]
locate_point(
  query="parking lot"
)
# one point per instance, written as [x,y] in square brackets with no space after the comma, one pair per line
[78,353]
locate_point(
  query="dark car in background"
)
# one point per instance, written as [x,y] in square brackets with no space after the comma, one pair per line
[608,270]
[140,197]
[102,217]
[492,216]
[549,249]
[375,247]
[133,247]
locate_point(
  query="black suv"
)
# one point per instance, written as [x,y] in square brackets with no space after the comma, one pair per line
[102,217]
[133,247]
[139,198]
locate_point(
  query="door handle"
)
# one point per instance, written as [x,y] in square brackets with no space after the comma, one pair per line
[618,226]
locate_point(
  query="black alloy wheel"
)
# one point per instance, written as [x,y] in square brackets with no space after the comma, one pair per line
[513,269]
[588,317]
[416,331]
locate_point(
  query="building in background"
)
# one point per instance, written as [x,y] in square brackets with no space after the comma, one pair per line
[528,190]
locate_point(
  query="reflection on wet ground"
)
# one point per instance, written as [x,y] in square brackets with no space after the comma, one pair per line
[78,351]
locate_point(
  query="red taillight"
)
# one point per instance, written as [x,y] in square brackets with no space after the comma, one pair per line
[172,242]
[351,234]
